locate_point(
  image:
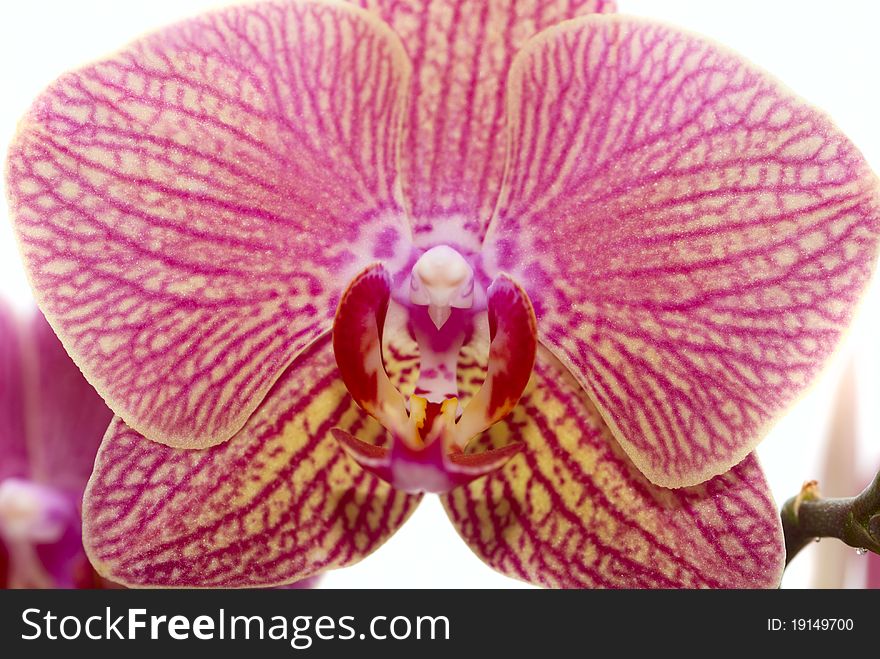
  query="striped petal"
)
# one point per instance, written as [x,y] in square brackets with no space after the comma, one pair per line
[190,210]
[453,150]
[277,503]
[703,235]
[573,511]
[13,432]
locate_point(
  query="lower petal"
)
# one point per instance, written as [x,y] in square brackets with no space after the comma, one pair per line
[572,511]
[277,503]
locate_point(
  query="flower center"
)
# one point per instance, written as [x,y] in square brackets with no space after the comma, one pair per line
[430,432]
[442,279]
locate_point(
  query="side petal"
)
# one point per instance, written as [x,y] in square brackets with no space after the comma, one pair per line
[190,210]
[453,155]
[277,503]
[572,511]
[69,417]
[694,238]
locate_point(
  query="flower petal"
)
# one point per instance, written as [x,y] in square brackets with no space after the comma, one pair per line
[13,431]
[278,502]
[512,349]
[703,235]
[357,346]
[573,511]
[69,417]
[453,150]
[190,210]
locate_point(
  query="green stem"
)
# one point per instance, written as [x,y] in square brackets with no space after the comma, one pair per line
[854,520]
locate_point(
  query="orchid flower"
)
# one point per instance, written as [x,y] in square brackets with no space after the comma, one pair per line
[562,267]
[51,424]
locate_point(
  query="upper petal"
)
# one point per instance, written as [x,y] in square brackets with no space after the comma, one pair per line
[572,510]
[13,431]
[190,209]
[278,502]
[694,238]
[454,146]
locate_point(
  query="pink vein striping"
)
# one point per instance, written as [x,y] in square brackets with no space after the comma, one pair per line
[706,234]
[276,503]
[572,511]
[190,209]
[454,146]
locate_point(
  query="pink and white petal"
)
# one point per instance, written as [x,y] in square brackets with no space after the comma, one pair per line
[703,235]
[572,511]
[277,503]
[69,417]
[13,428]
[454,146]
[190,209]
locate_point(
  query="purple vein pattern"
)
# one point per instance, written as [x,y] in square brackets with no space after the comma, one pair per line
[189,210]
[704,235]
[454,144]
[572,511]
[693,239]
[277,503]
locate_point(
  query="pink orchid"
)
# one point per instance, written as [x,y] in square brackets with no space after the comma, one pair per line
[51,424]
[320,258]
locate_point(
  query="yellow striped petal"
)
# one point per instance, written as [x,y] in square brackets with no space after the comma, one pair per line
[572,511]
[278,502]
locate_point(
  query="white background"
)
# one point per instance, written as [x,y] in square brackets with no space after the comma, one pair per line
[828,52]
